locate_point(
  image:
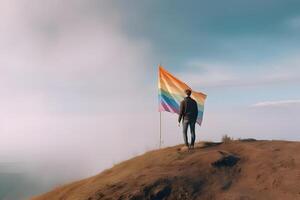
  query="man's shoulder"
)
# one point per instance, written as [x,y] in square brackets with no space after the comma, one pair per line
[189,99]
[193,100]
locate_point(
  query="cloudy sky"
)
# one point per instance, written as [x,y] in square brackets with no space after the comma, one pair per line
[78,79]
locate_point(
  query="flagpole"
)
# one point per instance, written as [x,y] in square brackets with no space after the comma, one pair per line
[160,129]
[159,119]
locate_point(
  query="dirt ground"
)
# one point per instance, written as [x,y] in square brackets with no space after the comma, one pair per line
[239,170]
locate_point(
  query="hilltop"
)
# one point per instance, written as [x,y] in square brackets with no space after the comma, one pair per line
[238,170]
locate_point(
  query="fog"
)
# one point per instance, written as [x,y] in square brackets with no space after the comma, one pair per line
[73,90]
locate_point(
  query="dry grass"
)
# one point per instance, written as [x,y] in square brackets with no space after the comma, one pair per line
[226,139]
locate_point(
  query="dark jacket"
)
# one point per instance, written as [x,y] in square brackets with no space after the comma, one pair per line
[188,110]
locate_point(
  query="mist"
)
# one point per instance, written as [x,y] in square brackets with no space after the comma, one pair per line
[73,91]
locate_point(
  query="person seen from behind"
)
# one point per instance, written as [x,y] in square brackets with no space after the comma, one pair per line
[188,114]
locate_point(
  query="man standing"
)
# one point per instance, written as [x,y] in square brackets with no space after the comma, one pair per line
[188,114]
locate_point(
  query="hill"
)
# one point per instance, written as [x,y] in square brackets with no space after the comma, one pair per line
[239,170]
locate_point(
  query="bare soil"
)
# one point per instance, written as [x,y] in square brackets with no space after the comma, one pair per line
[239,170]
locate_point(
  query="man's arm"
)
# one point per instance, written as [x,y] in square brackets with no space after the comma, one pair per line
[181,111]
[196,110]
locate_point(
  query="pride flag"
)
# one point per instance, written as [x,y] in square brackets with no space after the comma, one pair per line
[171,93]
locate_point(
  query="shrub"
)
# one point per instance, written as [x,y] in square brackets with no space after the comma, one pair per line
[226,139]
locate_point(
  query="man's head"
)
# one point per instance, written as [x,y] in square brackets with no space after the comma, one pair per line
[188,92]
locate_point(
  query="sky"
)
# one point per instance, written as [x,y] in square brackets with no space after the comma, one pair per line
[78,80]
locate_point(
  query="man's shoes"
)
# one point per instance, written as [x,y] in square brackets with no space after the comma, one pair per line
[187,147]
[184,148]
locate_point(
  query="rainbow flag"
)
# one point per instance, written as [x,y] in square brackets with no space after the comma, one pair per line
[171,93]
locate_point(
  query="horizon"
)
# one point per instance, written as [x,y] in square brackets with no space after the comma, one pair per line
[79,79]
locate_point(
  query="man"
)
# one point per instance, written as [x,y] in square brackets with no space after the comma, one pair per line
[188,114]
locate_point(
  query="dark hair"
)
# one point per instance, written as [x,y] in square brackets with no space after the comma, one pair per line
[188,92]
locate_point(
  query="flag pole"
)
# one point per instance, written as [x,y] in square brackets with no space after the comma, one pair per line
[160,129]
[159,118]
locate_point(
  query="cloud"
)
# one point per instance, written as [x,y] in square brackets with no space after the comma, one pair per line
[212,74]
[208,74]
[293,23]
[74,88]
[283,103]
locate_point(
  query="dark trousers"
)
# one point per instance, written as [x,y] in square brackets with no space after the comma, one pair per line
[185,124]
